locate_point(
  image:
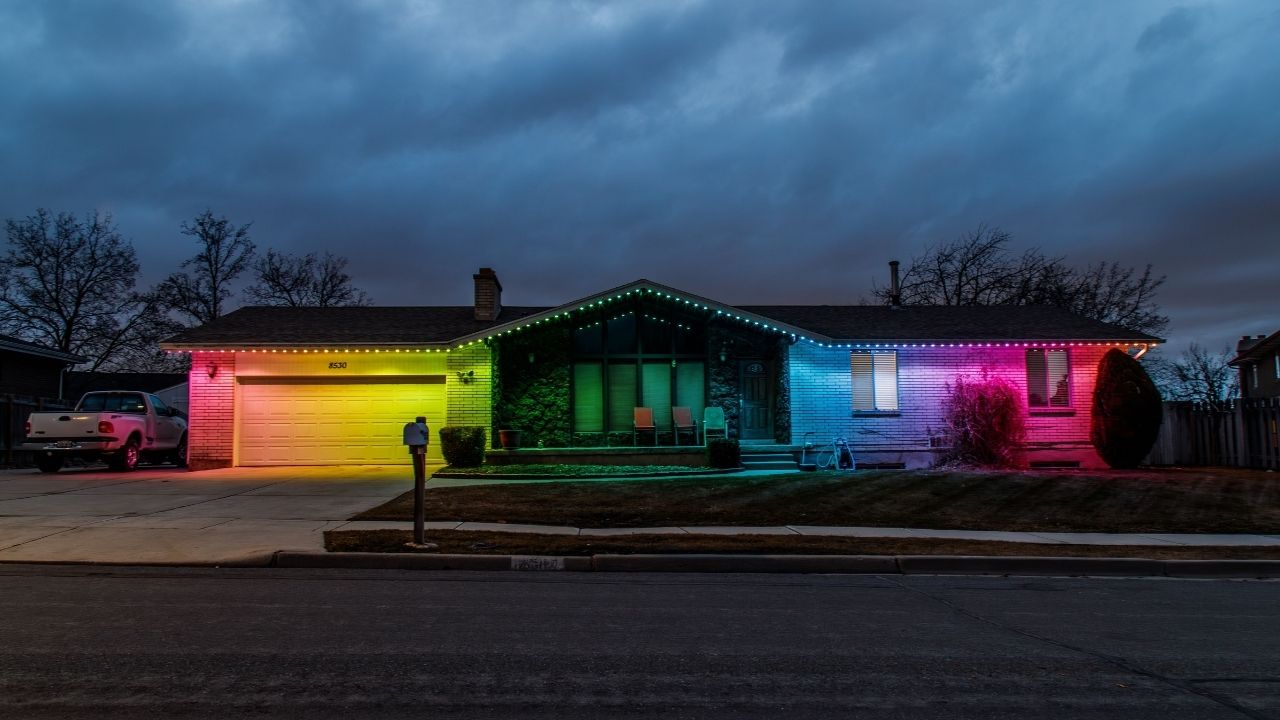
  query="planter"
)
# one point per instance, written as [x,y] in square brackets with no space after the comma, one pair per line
[509,439]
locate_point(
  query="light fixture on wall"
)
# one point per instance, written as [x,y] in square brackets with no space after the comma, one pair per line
[466,377]
[531,358]
[212,370]
[724,351]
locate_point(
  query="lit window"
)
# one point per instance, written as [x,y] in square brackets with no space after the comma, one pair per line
[1255,375]
[875,380]
[1277,359]
[1048,378]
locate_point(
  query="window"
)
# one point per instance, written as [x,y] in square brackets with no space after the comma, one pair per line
[113,402]
[644,356]
[875,380]
[1255,375]
[1277,359]
[1048,378]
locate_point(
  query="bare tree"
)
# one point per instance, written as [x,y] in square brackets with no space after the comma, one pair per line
[304,281]
[1196,374]
[978,268]
[225,253]
[70,285]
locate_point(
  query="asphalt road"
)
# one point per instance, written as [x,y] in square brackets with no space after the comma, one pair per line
[170,643]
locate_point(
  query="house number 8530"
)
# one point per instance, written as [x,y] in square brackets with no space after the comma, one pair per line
[338,365]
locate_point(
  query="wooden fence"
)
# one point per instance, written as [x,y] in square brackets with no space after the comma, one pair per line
[14,410]
[1233,433]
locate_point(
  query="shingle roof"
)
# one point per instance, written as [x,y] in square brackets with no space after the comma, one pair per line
[946,322]
[279,326]
[13,344]
[283,326]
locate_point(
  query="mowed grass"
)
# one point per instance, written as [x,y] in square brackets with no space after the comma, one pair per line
[496,543]
[1175,500]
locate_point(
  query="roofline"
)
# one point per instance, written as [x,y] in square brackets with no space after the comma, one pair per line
[641,286]
[33,349]
[644,286]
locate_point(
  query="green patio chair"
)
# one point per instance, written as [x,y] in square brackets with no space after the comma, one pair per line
[713,421]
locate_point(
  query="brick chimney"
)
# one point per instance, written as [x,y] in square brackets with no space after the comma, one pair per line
[488,295]
[1247,342]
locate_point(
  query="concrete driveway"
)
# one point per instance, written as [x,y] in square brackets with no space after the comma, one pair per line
[169,516]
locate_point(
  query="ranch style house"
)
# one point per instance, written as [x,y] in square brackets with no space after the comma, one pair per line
[324,386]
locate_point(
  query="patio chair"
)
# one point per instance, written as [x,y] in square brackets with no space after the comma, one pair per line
[643,422]
[682,421]
[713,421]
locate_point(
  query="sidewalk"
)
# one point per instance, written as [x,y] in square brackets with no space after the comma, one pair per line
[1043,538]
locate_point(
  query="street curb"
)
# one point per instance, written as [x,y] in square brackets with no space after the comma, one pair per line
[857,564]
[800,564]
[1026,565]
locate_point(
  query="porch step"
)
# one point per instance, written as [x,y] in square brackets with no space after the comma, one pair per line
[768,460]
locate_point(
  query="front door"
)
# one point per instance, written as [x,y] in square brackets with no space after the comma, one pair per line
[756,418]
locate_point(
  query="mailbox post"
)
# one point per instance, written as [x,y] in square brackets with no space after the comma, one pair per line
[416,436]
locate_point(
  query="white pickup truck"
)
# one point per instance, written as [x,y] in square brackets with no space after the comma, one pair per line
[118,427]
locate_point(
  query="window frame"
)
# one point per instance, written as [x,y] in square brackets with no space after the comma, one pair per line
[875,408]
[1048,407]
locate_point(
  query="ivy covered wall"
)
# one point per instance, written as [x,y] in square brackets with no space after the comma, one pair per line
[531,386]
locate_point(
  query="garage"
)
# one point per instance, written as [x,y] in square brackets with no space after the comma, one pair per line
[348,420]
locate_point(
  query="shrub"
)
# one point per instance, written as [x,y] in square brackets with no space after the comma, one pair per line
[724,453]
[462,446]
[1126,411]
[986,421]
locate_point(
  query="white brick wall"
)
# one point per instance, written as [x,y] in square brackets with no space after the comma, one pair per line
[822,401]
[471,402]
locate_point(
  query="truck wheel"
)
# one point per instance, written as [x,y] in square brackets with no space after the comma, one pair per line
[180,452]
[49,463]
[127,458]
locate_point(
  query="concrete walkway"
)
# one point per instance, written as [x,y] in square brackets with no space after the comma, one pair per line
[1041,538]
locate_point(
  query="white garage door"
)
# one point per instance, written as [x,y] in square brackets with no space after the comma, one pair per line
[304,422]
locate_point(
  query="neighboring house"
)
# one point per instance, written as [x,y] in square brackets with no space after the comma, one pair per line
[31,378]
[278,386]
[1258,360]
[169,387]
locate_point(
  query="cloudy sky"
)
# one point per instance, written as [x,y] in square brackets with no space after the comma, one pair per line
[754,152]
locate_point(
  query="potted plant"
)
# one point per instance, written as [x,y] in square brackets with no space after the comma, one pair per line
[509,439]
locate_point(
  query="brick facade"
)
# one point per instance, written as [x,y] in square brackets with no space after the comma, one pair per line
[822,402]
[211,422]
[469,395]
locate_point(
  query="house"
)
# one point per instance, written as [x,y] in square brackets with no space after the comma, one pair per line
[279,386]
[31,378]
[1258,360]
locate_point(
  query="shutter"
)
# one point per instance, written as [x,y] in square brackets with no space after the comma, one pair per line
[1058,378]
[588,398]
[622,396]
[863,385]
[886,380]
[656,392]
[1037,379]
[691,388]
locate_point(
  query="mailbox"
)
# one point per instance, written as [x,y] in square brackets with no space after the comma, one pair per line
[416,436]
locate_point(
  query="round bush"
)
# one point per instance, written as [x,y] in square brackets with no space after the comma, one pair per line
[1127,411]
[462,446]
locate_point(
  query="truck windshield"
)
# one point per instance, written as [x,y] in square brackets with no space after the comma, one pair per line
[113,402]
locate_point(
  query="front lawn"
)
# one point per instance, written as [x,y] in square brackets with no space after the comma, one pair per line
[494,543]
[1210,500]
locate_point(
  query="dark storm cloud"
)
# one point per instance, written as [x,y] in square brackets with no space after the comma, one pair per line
[751,151]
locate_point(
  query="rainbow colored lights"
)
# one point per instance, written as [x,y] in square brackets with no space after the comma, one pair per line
[756,322]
